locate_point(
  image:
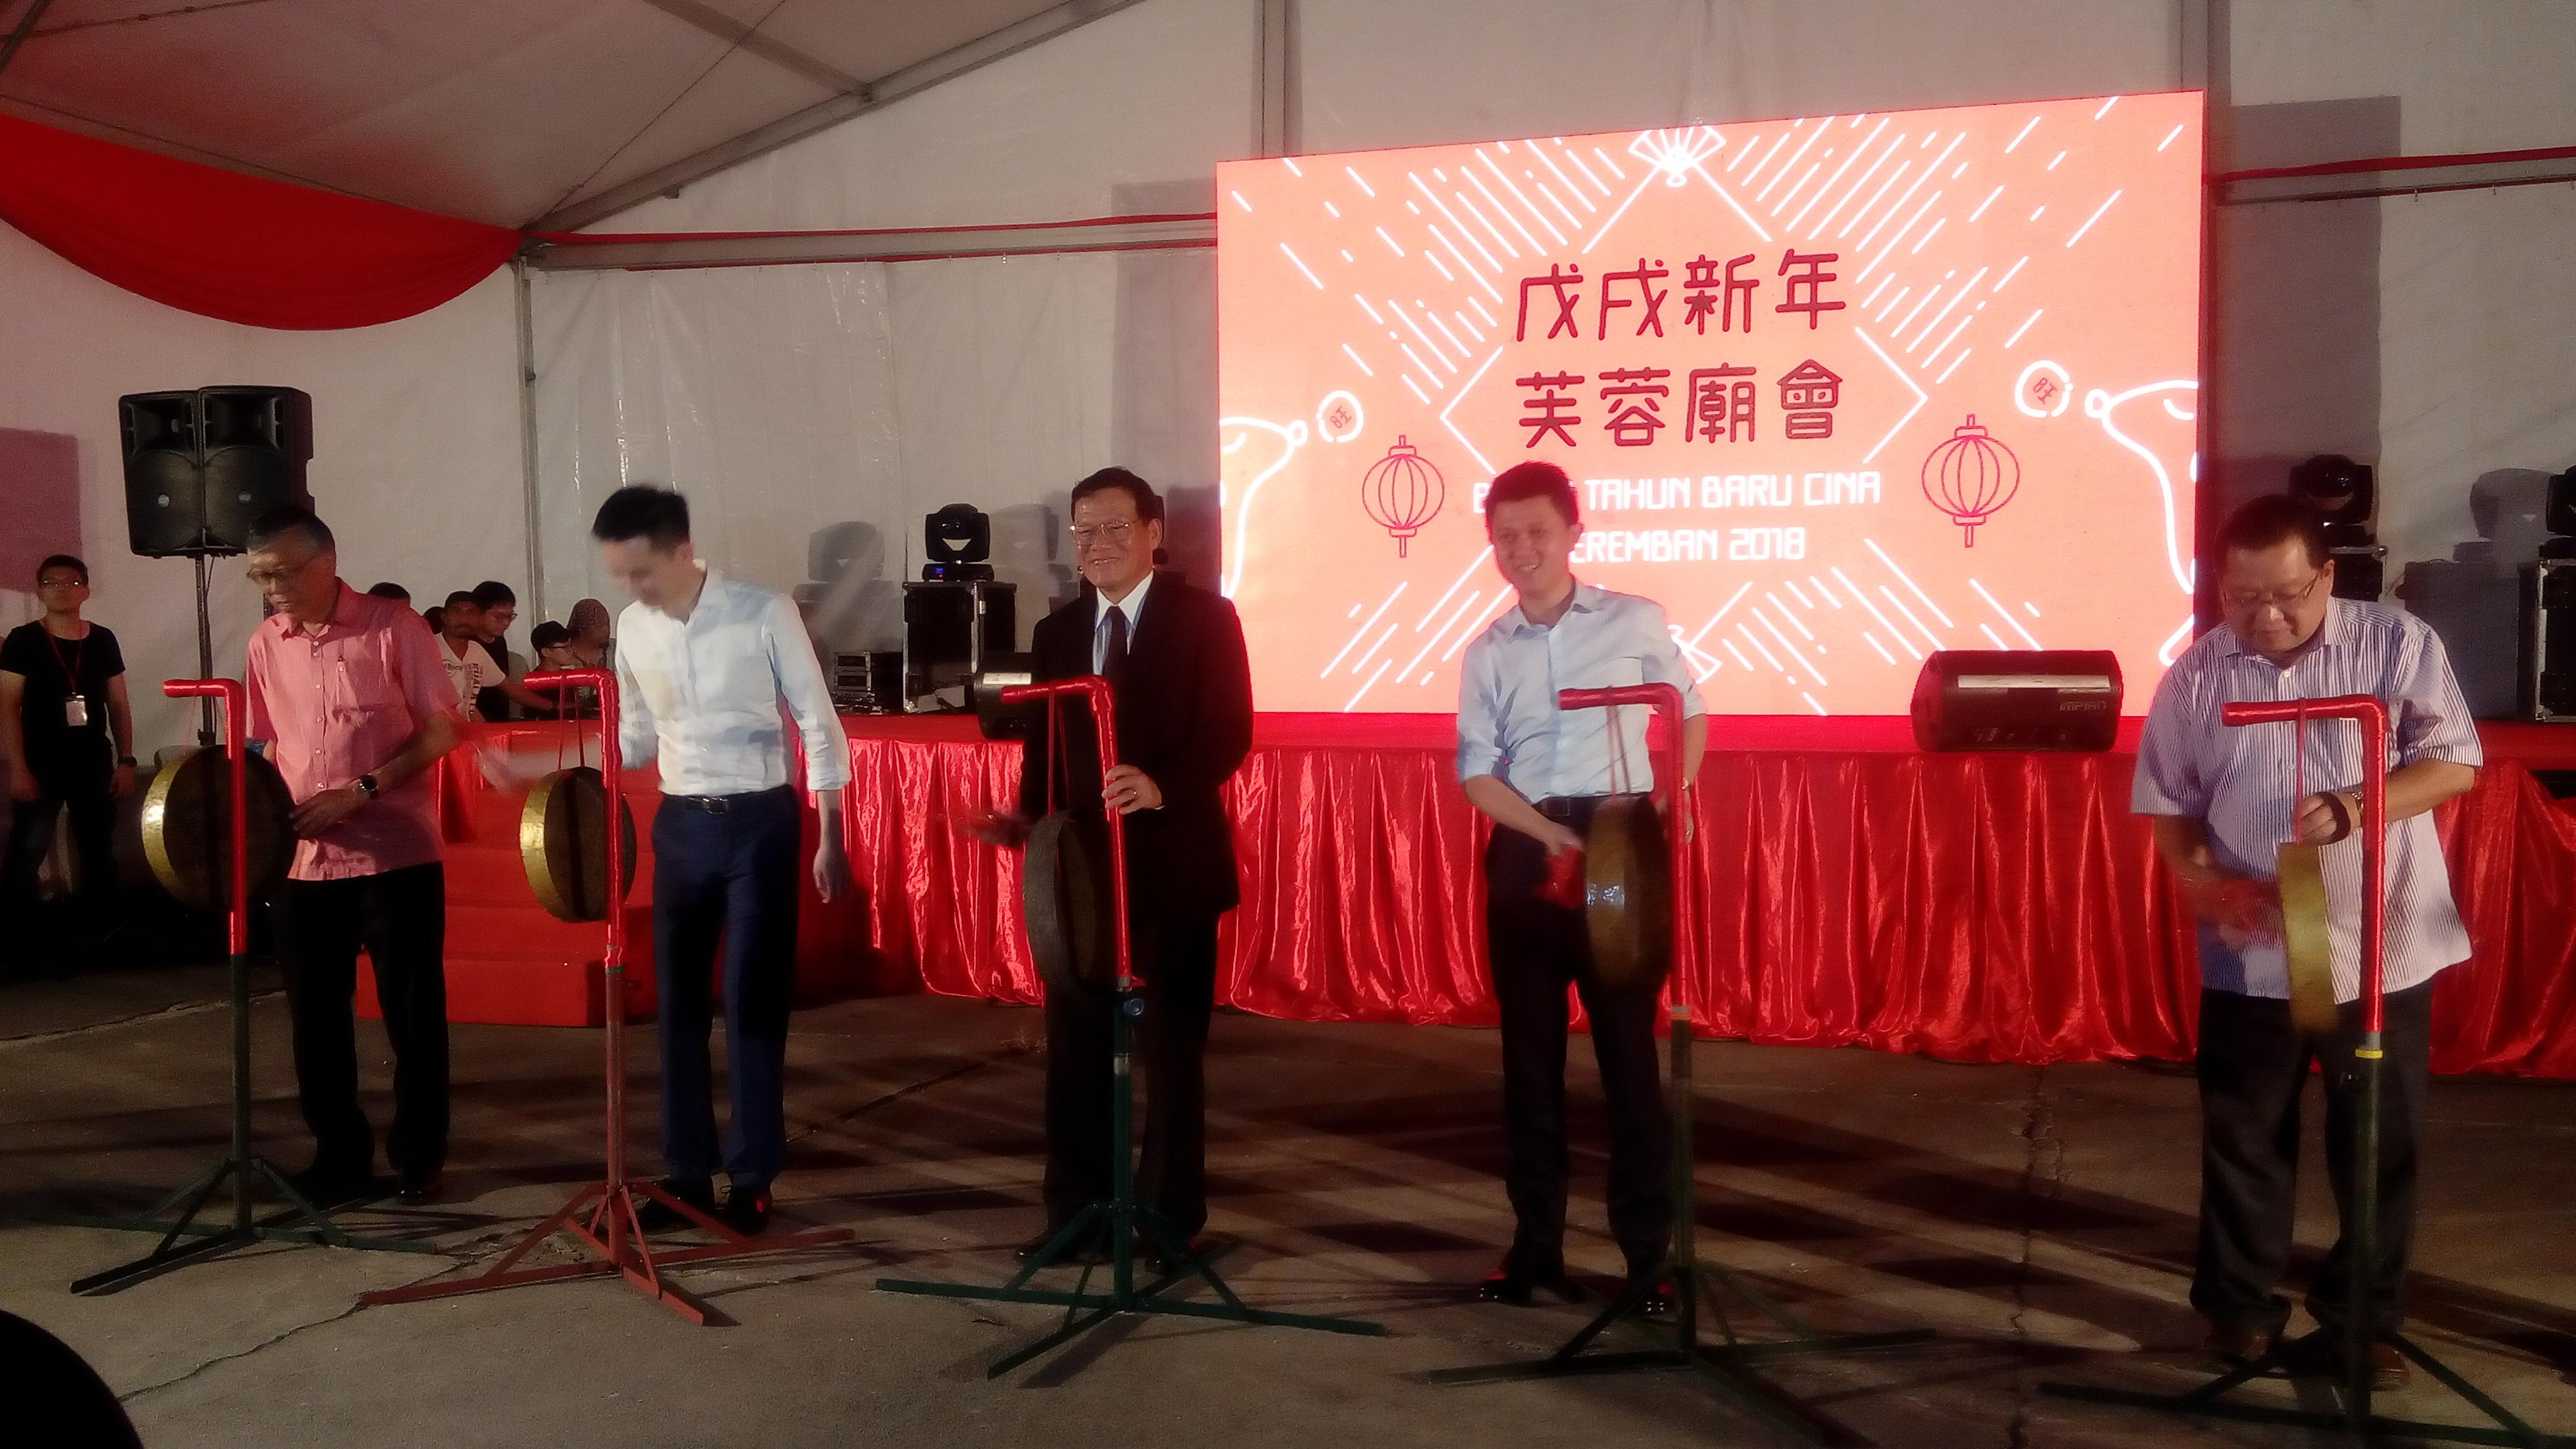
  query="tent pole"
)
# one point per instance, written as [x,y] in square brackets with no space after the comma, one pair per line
[528,430]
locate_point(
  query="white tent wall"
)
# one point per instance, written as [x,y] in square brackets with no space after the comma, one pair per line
[814,414]
[416,454]
[2427,334]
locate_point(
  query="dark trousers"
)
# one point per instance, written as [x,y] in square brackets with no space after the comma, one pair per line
[400,917]
[1177,959]
[1536,948]
[725,871]
[2253,1069]
[31,835]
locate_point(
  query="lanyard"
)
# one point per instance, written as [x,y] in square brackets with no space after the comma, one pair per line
[71,670]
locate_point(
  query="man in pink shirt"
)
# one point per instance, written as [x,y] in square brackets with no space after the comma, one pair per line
[351,697]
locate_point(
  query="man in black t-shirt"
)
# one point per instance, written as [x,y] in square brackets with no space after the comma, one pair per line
[66,738]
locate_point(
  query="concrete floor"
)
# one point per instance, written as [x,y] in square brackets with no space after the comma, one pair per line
[2039,1219]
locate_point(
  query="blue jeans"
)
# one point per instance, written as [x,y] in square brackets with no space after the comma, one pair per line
[725,875]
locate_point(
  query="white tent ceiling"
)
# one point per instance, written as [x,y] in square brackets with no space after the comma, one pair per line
[504,111]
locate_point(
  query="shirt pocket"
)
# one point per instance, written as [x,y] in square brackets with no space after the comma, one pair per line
[1610,673]
[356,684]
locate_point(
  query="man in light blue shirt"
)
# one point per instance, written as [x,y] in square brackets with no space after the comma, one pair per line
[1540,772]
[709,671]
[2223,801]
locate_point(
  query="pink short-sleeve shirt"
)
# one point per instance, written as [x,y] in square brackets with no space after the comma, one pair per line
[337,704]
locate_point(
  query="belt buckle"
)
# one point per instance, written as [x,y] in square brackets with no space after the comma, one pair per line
[717,805]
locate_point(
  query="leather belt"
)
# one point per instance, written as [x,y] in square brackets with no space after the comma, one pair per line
[1565,808]
[721,804]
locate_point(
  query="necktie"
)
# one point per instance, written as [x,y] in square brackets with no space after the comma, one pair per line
[1113,654]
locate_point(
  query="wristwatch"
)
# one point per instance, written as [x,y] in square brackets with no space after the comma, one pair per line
[367,786]
[125,762]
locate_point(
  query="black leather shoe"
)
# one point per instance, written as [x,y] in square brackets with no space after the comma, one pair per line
[1154,1256]
[1512,1283]
[1654,1302]
[328,1186]
[655,1216]
[746,1211]
[1087,1254]
[419,1190]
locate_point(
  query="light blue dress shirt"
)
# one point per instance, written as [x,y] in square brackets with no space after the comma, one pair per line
[710,696]
[1508,722]
[2244,783]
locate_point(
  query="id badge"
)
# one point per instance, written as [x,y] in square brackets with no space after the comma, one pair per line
[76,711]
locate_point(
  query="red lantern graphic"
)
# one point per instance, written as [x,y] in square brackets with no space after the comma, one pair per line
[1402,492]
[1970,477]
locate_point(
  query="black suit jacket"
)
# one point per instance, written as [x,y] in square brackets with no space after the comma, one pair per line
[1183,708]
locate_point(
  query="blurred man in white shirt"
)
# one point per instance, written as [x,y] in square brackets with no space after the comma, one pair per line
[709,669]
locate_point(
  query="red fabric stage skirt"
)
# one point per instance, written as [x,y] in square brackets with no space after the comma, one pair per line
[1985,907]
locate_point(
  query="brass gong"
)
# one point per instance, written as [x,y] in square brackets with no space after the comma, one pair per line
[563,843]
[1628,894]
[2304,938]
[187,827]
[1065,896]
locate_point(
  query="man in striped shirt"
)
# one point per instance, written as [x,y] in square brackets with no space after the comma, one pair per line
[2223,800]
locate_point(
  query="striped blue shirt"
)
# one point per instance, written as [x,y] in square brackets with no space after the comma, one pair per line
[1508,722]
[2243,782]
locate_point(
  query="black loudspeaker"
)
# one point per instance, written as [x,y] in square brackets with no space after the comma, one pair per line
[2548,692]
[2558,515]
[949,629]
[2018,699]
[201,467]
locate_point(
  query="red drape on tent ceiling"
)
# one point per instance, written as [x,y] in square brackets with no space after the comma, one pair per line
[239,248]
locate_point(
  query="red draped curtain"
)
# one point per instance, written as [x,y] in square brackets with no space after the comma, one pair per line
[1854,892]
[238,248]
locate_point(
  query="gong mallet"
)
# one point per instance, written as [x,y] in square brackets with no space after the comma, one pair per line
[1697,1282]
[601,1218]
[302,1222]
[2360,1328]
[1120,1214]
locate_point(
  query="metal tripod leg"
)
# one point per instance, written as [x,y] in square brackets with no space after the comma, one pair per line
[2359,1332]
[302,1222]
[1697,1285]
[1123,1218]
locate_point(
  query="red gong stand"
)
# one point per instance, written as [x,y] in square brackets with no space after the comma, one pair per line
[1120,1217]
[601,1218]
[2360,1329]
[1698,1283]
[302,1222]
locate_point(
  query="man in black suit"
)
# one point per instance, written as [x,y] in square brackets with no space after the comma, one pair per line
[1181,689]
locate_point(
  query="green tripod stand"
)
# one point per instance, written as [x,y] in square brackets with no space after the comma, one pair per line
[1119,1215]
[2361,1328]
[1698,1284]
[302,1221]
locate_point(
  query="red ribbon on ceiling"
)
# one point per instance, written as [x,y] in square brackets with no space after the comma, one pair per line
[238,248]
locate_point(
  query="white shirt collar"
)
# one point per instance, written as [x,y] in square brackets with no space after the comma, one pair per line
[1133,606]
[708,591]
[1586,599]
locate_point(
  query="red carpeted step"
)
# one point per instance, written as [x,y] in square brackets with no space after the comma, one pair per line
[518,966]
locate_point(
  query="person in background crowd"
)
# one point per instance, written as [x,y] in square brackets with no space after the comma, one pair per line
[479,670]
[548,640]
[471,669]
[436,617]
[367,868]
[391,590]
[589,627]
[497,606]
[67,740]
